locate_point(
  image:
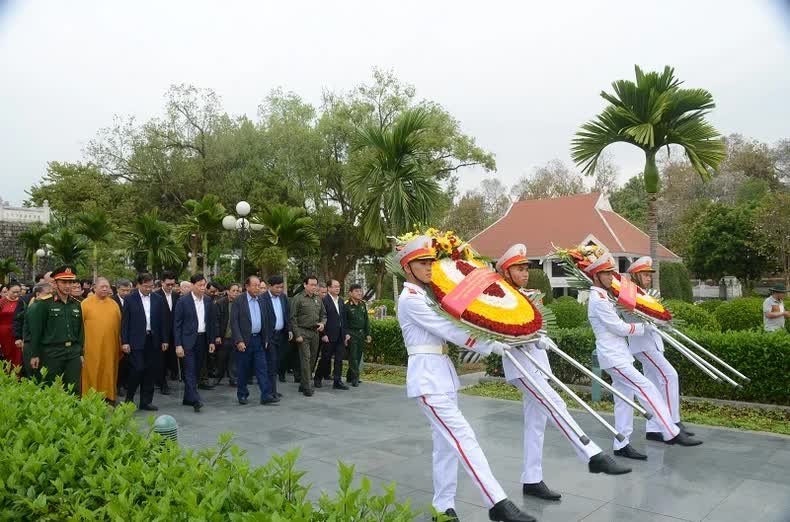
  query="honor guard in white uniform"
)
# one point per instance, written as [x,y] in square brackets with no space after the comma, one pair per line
[649,350]
[615,358]
[514,267]
[432,381]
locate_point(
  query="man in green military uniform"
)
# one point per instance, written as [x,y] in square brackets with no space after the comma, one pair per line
[308,317]
[358,327]
[56,335]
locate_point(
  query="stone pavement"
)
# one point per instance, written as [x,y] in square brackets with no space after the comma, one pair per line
[734,475]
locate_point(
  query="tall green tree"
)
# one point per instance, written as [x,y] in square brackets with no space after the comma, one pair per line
[33,239]
[204,220]
[286,228]
[652,113]
[7,266]
[67,247]
[394,187]
[724,241]
[96,226]
[149,236]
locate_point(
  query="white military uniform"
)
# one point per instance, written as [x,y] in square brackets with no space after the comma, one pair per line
[649,350]
[615,358]
[432,380]
[536,412]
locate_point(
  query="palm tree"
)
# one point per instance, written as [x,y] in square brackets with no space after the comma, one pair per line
[66,246]
[284,227]
[147,234]
[650,114]
[7,266]
[204,219]
[97,228]
[394,188]
[33,239]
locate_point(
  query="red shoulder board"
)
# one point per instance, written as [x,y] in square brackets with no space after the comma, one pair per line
[600,294]
[412,291]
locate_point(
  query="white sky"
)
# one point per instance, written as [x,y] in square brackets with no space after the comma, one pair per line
[520,76]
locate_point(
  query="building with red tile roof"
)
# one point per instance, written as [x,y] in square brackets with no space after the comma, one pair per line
[542,224]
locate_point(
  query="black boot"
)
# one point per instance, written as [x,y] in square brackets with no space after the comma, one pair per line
[683,428]
[339,386]
[540,490]
[317,383]
[629,452]
[603,463]
[654,436]
[507,511]
[682,439]
[450,514]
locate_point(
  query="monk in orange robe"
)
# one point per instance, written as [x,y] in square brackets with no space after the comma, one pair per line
[101,318]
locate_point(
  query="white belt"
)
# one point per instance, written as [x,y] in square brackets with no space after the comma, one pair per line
[426,348]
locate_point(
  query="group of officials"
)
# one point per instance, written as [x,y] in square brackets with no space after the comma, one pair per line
[253,332]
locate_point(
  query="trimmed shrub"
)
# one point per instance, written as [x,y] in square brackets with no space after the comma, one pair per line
[764,358]
[65,458]
[741,314]
[540,281]
[387,346]
[711,305]
[569,312]
[675,282]
[693,316]
[389,303]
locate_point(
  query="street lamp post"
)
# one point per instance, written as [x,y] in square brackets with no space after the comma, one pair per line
[242,225]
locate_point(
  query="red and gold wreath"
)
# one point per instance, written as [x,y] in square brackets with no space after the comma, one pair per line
[584,256]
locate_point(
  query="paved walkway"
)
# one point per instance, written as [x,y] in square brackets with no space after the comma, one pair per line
[733,476]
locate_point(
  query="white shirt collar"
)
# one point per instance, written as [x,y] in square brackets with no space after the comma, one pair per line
[197,300]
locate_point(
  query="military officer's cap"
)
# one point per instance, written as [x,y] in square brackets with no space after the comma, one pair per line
[64,273]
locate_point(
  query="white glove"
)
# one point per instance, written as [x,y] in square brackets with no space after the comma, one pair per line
[543,343]
[499,348]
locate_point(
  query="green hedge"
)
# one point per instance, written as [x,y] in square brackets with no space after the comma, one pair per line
[693,316]
[711,305]
[675,282]
[540,281]
[62,458]
[569,312]
[764,358]
[741,314]
[387,344]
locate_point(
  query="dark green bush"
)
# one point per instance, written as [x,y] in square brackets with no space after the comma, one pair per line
[540,281]
[568,312]
[741,314]
[675,281]
[711,305]
[62,458]
[389,303]
[764,358]
[693,316]
[387,346]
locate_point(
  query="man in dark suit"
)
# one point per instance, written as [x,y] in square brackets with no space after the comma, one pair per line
[276,306]
[194,336]
[226,349]
[143,338]
[169,359]
[335,337]
[251,335]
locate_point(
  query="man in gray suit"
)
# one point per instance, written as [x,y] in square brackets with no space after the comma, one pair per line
[250,335]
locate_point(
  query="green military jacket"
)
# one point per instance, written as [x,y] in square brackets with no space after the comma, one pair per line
[55,325]
[306,313]
[357,317]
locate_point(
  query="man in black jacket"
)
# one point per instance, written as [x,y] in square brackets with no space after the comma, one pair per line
[226,349]
[276,306]
[169,363]
[335,337]
[251,336]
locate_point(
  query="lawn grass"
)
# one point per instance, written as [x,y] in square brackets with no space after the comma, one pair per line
[385,375]
[698,412]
